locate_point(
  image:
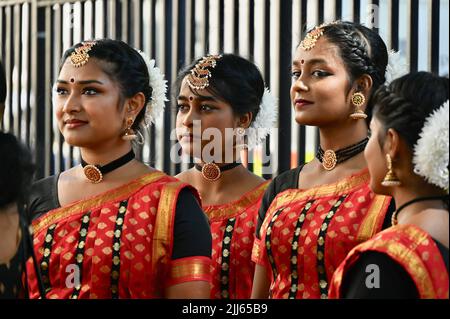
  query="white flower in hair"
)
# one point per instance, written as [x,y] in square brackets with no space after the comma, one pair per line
[397,66]
[431,153]
[155,106]
[264,121]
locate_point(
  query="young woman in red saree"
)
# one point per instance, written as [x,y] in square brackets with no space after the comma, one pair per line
[312,216]
[225,93]
[112,227]
[408,158]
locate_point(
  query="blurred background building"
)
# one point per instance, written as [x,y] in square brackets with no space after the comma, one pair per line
[35,33]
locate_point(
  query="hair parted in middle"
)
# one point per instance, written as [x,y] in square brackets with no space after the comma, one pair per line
[124,65]
[233,80]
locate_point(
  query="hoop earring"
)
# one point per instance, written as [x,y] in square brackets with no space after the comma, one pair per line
[129,133]
[391,179]
[240,131]
[140,138]
[358,100]
[240,134]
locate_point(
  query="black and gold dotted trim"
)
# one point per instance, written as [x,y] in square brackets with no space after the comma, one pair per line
[294,250]
[79,253]
[322,275]
[115,269]
[226,249]
[269,245]
[45,261]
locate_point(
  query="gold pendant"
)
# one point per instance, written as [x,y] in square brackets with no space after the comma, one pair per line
[93,174]
[211,172]
[329,160]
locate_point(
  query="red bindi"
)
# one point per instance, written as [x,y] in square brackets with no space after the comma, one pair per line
[191,98]
[72,80]
[302,61]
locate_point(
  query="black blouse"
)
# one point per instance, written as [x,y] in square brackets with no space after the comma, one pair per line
[395,282]
[191,224]
[11,284]
[289,180]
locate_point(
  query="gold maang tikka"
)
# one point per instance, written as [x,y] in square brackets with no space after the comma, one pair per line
[81,56]
[198,79]
[313,36]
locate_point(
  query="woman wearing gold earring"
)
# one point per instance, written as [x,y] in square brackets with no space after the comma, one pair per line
[390,179]
[313,215]
[113,227]
[410,129]
[358,100]
[210,99]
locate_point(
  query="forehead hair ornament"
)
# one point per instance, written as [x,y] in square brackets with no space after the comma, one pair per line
[311,37]
[198,79]
[81,55]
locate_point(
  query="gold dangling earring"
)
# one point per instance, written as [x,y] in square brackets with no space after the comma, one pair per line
[358,100]
[240,134]
[390,179]
[129,134]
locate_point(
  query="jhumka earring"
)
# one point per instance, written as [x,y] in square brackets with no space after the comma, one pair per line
[241,138]
[358,100]
[390,179]
[129,132]
[240,131]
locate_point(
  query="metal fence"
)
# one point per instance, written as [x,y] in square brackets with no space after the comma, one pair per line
[35,33]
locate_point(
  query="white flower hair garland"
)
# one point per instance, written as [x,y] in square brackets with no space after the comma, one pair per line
[264,121]
[397,66]
[155,106]
[431,153]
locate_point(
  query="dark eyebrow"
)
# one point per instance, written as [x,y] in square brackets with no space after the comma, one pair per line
[312,62]
[80,82]
[199,97]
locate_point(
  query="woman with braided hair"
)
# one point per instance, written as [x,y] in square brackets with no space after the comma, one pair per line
[408,158]
[209,97]
[113,227]
[312,216]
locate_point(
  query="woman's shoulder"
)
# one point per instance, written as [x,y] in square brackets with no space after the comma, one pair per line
[43,196]
[286,180]
[167,185]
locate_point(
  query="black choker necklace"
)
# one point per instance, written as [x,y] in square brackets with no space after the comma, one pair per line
[415,200]
[330,158]
[95,173]
[212,172]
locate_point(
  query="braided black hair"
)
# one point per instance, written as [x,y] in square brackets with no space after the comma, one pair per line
[362,51]
[234,80]
[124,65]
[16,170]
[408,101]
